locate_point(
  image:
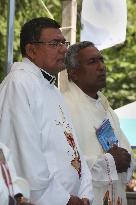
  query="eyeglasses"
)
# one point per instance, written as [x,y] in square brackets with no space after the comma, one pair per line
[53,44]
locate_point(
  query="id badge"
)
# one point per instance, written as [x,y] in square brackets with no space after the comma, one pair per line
[106,136]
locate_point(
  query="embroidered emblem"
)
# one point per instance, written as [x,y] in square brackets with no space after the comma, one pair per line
[75,162]
[119,201]
[70,139]
[108,169]
[106,199]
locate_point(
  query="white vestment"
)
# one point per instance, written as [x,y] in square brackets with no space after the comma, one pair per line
[17,184]
[87,115]
[36,126]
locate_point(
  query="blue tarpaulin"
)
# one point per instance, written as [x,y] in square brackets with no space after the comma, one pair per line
[127,118]
[129,128]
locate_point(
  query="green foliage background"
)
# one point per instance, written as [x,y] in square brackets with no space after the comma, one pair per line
[120,60]
[121,66]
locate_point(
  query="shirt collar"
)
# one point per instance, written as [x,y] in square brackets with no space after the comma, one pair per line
[46,75]
[49,77]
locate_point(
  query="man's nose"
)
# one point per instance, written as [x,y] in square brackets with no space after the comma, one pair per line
[101,65]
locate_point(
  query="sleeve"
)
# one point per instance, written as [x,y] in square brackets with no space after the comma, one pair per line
[19,130]
[86,190]
[19,185]
[104,170]
[127,176]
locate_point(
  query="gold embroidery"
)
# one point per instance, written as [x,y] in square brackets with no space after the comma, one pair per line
[70,139]
[119,201]
[75,162]
[106,199]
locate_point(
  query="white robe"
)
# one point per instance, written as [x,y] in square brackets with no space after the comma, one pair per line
[33,124]
[18,185]
[88,114]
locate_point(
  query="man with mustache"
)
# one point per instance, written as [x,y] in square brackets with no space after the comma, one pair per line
[106,149]
[35,123]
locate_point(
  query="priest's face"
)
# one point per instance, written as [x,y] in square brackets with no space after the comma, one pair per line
[90,76]
[49,51]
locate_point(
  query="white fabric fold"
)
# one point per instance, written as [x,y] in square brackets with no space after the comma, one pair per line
[104,22]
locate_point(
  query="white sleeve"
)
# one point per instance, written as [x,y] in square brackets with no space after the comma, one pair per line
[104,170]
[127,176]
[19,130]
[19,184]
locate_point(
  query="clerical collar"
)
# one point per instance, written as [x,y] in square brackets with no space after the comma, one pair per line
[49,77]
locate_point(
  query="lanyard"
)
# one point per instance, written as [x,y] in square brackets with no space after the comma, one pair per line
[7,178]
[6,174]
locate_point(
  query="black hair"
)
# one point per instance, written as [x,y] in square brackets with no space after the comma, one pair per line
[31,31]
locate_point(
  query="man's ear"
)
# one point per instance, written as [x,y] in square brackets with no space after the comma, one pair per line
[72,74]
[30,50]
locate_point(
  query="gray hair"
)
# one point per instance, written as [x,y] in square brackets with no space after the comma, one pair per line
[71,61]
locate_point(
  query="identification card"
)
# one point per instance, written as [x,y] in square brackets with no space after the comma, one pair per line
[106,136]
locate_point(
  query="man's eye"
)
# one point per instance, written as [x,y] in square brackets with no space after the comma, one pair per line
[96,60]
[93,60]
[54,44]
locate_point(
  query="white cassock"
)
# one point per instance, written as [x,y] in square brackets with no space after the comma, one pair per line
[17,185]
[36,126]
[87,115]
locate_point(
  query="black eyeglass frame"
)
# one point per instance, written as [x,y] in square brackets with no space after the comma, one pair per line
[54,44]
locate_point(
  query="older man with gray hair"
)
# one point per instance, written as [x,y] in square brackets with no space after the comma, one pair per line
[105,147]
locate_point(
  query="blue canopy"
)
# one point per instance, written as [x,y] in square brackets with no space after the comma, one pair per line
[129,128]
[127,118]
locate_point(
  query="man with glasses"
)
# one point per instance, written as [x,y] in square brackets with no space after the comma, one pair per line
[106,149]
[35,123]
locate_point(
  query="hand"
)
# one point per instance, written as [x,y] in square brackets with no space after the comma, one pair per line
[121,157]
[85,201]
[74,200]
[21,200]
